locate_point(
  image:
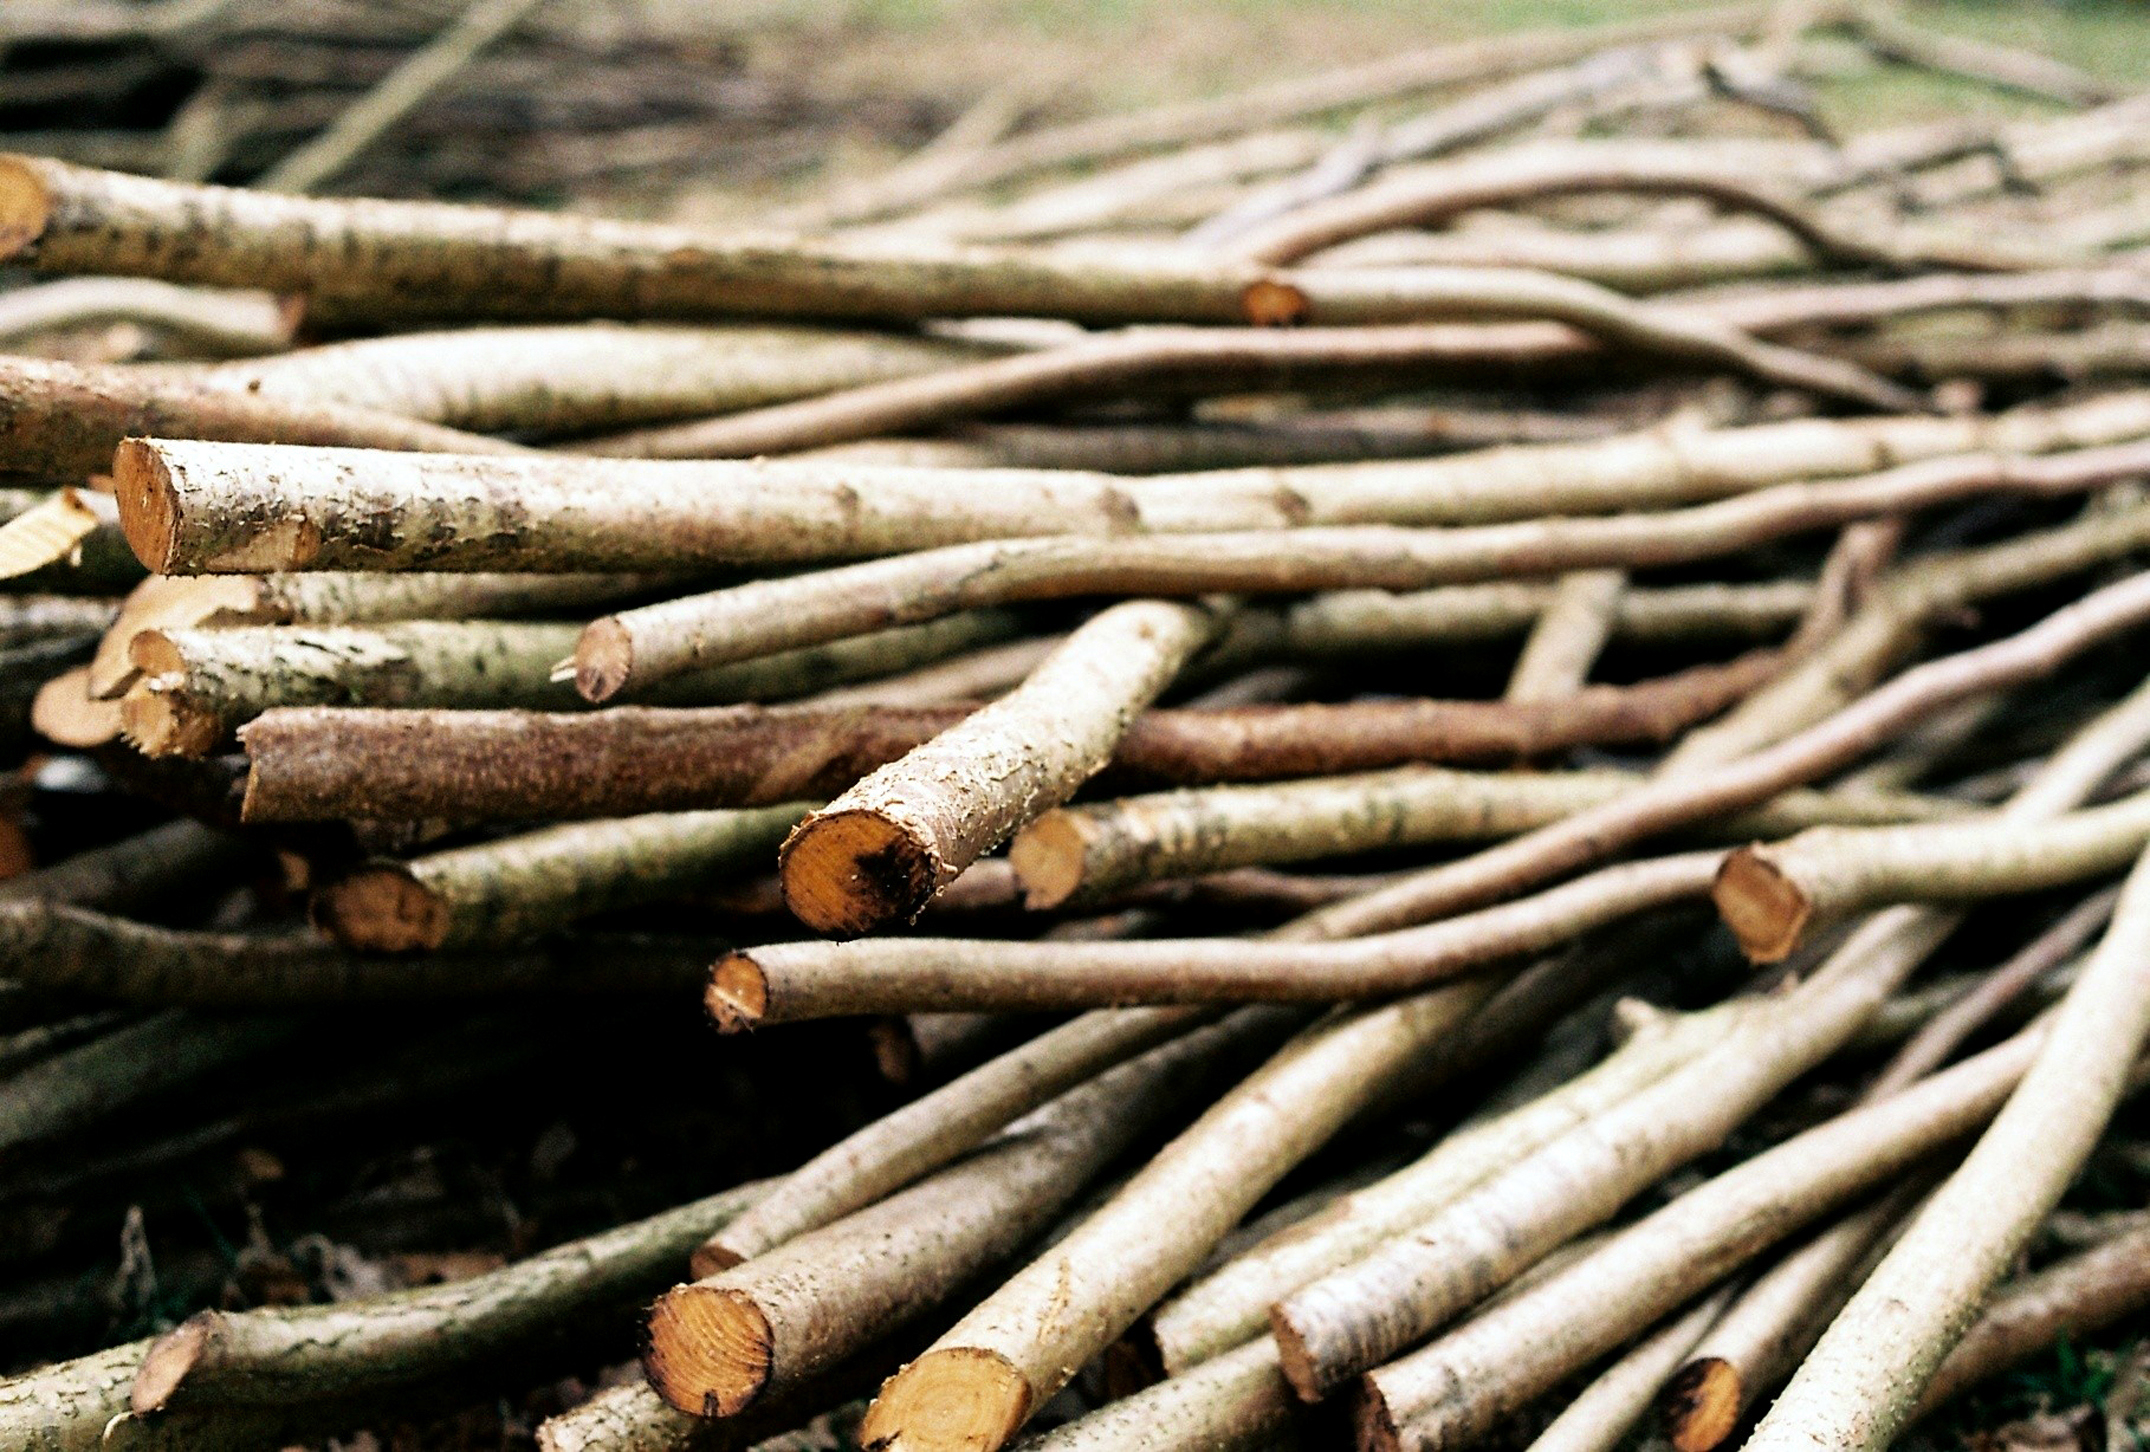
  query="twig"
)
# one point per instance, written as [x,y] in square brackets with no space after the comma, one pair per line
[134,872]
[1563,646]
[228,322]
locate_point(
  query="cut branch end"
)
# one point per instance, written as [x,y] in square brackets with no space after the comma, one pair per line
[851,873]
[169,1360]
[738,994]
[1048,858]
[25,207]
[710,1350]
[1701,1404]
[148,504]
[604,659]
[382,909]
[1765,909]
[961,1399]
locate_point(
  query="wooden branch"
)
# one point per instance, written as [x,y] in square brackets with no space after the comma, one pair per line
[1940,1036]
[516,888]
[1564,644]
[1104,137]
[1088,853]
[198,686]
[765,1326]
[170,602]
[1915,1306]
[1438,194]
[938,1127]
[782,982]
[1499,1359]
[1775,1321]
[1769,895]
[285,1354]
[65,419]
[1830,745]
[1886,32]
[581,377]
[1237,1402]
[468,765]
[135,872]
[878,853]
[1359,1316]
[55,946]
[86,1084]
[987,1375]
[2070,1299]
[1230,1306]
[1619,1397]
[219,323]
[635,647]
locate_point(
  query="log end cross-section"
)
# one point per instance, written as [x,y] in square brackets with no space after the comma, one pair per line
[848,873]
[959,1399]
[1701,1405]
[25,207]
[1764,908]
[710,1350]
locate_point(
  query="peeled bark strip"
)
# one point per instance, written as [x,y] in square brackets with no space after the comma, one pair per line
[135,871]
[66,419]
[1564,644]
[1769,895]
[1619,1397]
[878,853]
[1775,1321]
[469,765]
[1672,800]
[200,685]
[1940,1036]
[1458,1385]
[637,646]
[2072,1299]
[1087,853]
[783,982]
[938,1127]
[171,602]
[517,888]
[275,1354]
[584,376]
[977,1385]
[63,948]
[1864,1379]
[765,1326]
[1230,1306]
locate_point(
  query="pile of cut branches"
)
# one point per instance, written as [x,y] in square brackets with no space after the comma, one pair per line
[1473,778]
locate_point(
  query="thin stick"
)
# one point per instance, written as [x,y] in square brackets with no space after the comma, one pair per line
[1889,34]
[634,647]
[1231,1305]
[1942,1034]
[1359,1316]
[277,1354]
[65,419]
[1769,895]
[135,871]
[1601,1417]
[765,1326]
[1087,853]
[878,853]
[782,982]
[1864,1379]
[216,322]
[403,89]
[55,946]
[198,686]
[1829,745]
[1564,644]
[469,765]
[2072,1298]
[936,1128]
[1523,1346]
[518,888]
[978,1384]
